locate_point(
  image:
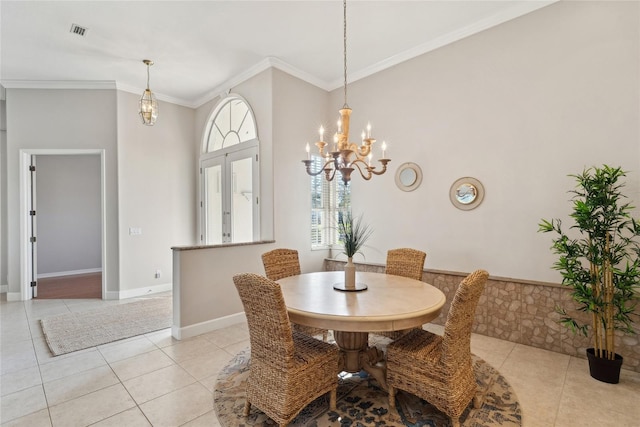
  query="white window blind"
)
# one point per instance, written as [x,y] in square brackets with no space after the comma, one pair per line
[328,198]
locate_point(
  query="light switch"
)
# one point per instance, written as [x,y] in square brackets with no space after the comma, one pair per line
[135,231]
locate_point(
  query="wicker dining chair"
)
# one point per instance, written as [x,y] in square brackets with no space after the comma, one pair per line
[288,369]
[281,263]
[405,262]
[438,368]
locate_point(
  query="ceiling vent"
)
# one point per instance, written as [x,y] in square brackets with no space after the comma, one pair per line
[77,29]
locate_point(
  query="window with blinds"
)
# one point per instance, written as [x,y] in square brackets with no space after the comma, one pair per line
[328,199]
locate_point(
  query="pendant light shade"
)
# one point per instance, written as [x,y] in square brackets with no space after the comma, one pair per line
[148,105]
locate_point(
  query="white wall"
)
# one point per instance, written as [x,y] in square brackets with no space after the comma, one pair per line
[149,176]
[298,110]
[60,119]
[287,112]
[157,191]
[68,214]
[519,107]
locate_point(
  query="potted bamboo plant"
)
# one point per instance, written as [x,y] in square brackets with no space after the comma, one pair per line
[599,259]
[353,235]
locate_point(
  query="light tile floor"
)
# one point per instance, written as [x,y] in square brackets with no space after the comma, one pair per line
[155,380]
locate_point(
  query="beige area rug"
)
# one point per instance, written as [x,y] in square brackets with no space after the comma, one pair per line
[361,402]
[76,331]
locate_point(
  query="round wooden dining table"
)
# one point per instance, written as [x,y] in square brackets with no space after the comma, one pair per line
[390,303]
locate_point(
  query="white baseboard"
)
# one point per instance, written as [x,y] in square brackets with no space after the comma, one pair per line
[208,326]
[69,273]
[4,289]
[14,296]
[139,292]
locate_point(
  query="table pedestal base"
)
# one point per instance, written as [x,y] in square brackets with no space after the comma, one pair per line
[356,355]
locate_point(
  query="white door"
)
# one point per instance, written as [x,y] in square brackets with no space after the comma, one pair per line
[230,200]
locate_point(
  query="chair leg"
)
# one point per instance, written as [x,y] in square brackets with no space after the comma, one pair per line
[455,422]
[332,399]
[325,336]
[477,401]
[247,408]
[392,397]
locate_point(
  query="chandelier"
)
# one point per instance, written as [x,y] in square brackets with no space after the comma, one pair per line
[345,156]
[148,106]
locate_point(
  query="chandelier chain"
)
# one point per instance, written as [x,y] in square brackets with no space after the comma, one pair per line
[344,39]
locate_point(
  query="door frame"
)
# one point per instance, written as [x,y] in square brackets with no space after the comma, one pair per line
[25,197]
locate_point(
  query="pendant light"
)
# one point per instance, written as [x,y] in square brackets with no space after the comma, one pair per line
[148,105]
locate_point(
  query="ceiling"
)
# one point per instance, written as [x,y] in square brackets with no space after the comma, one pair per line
[202,48]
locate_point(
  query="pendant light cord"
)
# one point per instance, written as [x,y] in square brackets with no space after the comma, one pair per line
[344,39]
[148,76]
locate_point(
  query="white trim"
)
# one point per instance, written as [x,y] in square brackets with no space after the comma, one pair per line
[519,9]
[59,84]
[25,255]
[254,70]
[69,273]
[160,97]
[208,326]
[25,161]
[139,292]
[14,296]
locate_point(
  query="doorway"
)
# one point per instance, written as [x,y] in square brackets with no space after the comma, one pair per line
[66,196]
[64,224]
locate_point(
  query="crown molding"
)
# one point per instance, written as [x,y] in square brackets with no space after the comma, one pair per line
[160,97]
[87,84]
[58,84]
[263,65]
[519,9]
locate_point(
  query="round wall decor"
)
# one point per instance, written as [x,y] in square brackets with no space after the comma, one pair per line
[408,176]
[466,193]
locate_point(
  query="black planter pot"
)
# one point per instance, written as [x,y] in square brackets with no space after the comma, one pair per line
[602,369]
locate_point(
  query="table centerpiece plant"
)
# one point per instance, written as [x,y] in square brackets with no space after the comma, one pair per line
[600,262]
[353,235]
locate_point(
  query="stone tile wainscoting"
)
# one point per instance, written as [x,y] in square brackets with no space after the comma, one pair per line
[521,311]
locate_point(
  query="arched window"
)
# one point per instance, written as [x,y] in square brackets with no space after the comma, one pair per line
[229,170]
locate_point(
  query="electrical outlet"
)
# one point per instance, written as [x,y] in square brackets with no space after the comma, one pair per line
[158,274]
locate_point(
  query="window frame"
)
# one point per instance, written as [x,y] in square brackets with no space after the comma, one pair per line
[224,156]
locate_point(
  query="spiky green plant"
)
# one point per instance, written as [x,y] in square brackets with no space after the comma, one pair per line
[602,266]
[353,233]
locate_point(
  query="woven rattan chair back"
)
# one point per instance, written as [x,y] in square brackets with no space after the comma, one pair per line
[270,332]
[288,369]
[438,368]
[456,344]
[280,263]
[405,262]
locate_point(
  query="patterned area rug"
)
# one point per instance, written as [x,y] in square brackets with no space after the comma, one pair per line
[69,332]
[361,402]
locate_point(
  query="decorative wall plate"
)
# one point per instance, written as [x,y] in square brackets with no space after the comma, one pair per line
[408,176]
[466,193]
